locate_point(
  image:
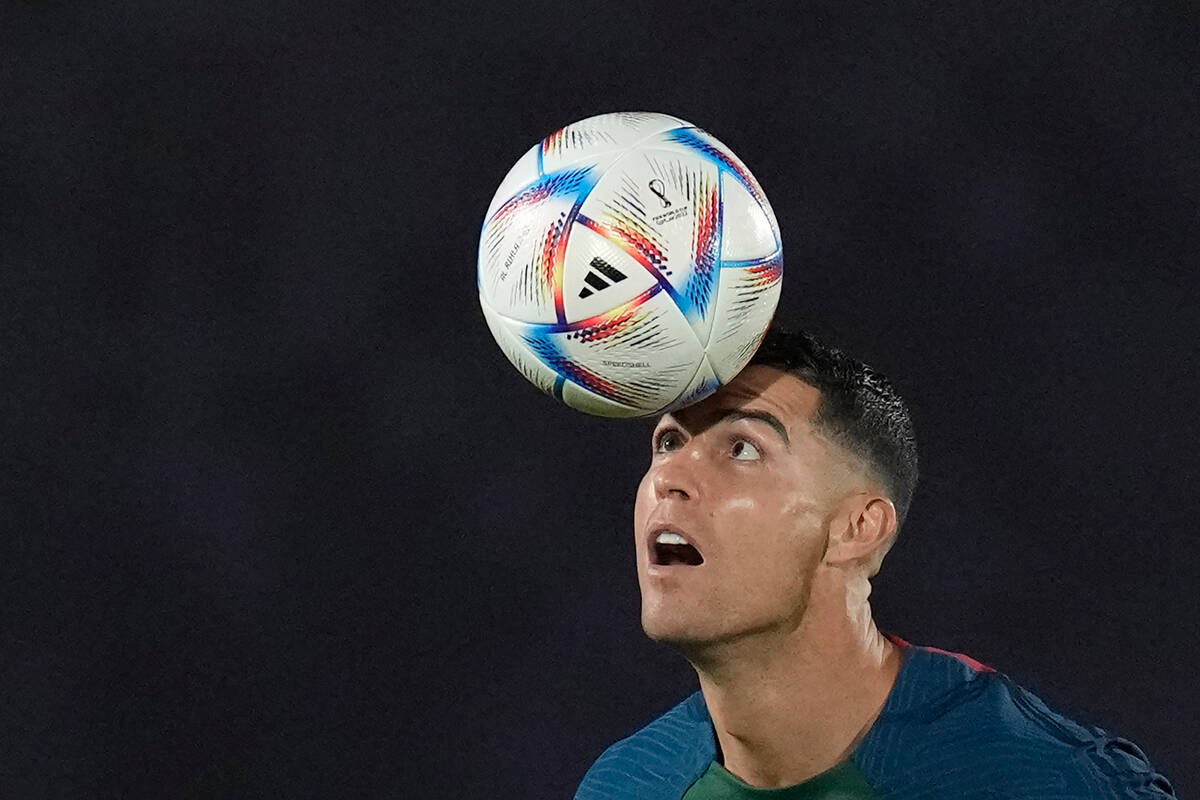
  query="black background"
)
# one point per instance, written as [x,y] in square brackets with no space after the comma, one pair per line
[280,520]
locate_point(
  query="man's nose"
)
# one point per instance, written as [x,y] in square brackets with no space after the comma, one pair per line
[676,475]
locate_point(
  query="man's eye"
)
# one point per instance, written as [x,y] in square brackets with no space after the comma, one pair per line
[669,439]
[744,451]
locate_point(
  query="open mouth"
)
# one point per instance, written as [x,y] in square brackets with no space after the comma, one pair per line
[670,548]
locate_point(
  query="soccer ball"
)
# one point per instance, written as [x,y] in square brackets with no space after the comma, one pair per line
[629,264]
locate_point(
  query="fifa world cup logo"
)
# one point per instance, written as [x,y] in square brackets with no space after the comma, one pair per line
[656,186]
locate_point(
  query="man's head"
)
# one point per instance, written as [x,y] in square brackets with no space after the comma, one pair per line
[805,462]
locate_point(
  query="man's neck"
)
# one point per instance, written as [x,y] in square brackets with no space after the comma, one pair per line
[787,706]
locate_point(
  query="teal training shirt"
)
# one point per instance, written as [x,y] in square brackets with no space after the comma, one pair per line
[951,728]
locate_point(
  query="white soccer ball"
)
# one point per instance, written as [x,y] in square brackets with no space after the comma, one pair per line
[629,264]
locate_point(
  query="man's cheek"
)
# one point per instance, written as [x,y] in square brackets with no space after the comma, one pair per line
[741,504]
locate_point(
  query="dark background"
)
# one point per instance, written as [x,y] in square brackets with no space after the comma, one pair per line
[279,520]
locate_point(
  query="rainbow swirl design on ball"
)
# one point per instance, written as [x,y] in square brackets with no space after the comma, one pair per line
[677,314]
[692,139]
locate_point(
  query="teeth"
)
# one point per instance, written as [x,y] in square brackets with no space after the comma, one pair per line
[670,537]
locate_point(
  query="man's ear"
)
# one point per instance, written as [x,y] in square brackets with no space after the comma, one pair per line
[862,528]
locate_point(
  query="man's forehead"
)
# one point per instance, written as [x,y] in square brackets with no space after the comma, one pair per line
[760,387]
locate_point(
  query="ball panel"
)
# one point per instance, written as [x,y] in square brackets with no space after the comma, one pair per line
[599,274]
[602,133]
[513,347]
[709,146]
[522,245]
[662,206]
[746,302]
[582,400]
[642,354]
[747,234]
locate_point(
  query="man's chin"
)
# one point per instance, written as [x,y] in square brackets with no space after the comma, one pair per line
[675,632]
[699,639]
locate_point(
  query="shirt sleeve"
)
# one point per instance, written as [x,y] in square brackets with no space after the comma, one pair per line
[1117,768]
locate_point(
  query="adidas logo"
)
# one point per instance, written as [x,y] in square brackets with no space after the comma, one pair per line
[600,269]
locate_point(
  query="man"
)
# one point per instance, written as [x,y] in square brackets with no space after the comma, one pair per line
[765,512]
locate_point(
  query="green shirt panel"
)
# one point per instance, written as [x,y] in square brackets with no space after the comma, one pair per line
[843,782]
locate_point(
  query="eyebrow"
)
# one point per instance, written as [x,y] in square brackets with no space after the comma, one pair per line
[736,414]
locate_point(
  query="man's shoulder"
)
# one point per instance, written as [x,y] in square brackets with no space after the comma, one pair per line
[962,723]
[660,760]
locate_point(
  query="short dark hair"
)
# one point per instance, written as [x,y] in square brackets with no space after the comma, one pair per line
[859,409]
